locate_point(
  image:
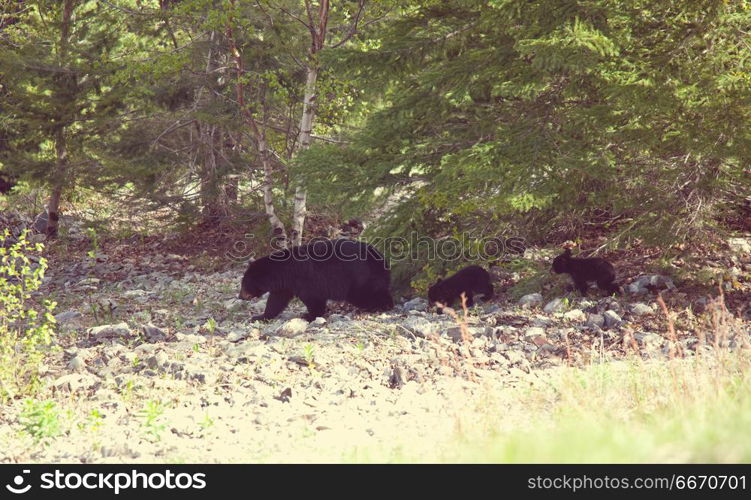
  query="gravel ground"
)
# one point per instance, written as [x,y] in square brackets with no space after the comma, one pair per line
[159,363]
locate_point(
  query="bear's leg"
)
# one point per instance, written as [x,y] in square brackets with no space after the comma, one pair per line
[275,304]
[316,307]
[487,292]
[382,300]
[470,299]
[371,300]
[582,286]
[609,286]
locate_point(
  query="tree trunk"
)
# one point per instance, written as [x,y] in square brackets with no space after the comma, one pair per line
[211,195]
[58,182]
[279,234]
[306,130]
[61,149]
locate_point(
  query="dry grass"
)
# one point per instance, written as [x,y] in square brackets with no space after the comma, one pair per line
[694,406]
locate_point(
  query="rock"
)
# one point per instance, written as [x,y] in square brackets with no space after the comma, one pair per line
[575,315]
[396,379]
[640,309]
[37,238]
[319,321]
[649,340]
[88,282]
[233,304]
[533,332]
[554,305]
[153,334]
[293,327]
[531,300]
[74,382]
[416,304]
[655,282]
[157,360]
[236,336]
[76,364]
[597,320]
[420,326]
[136,293]
[455,334]
[586,304]
[741,246]
[491,308]
[68,318]
[109,332]
[612,319]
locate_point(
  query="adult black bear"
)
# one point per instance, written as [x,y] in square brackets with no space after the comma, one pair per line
[318,271]
[470,280]
[583,271]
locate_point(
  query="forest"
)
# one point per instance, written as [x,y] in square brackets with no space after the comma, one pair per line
[493,158]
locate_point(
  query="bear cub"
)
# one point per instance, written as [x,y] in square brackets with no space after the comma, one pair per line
[583,271]
[317,272]
[470,280]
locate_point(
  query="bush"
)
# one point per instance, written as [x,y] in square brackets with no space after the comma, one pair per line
[26,327]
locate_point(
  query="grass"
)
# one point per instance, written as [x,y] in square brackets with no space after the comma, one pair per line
[692,407]
[695,410]
[632,411]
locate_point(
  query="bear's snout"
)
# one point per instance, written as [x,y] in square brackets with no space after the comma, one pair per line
[244,295]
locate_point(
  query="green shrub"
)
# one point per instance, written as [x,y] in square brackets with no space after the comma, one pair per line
[40,419]
[26,327]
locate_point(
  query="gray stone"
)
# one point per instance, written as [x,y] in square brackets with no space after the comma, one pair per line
[554,305]
[597,320]
[640,309]
[76,364]
[740,246]
[531,300]
[107,332]
[68,317]
[157,360]
[533,332]
[75,381]
[643,284]
[416,304]
[575,315]
[233,304]
[421,327]
[649,340]
[612,319]
[88,282]
[514,357]
[293,327]
[153,334]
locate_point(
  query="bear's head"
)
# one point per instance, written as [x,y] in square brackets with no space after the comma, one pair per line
[561,263]
[437,293]
[253,283]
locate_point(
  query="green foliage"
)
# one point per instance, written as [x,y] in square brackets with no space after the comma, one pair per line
[537,116]
[152,415]
[26,326]
[40,419]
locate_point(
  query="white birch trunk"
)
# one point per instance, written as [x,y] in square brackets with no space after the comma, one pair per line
[306,129]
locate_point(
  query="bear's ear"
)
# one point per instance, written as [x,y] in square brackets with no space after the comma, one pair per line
[437,281]
[567,252]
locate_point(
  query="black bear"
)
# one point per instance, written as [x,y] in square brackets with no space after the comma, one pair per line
[470,280]
[318,271]
[583,271]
